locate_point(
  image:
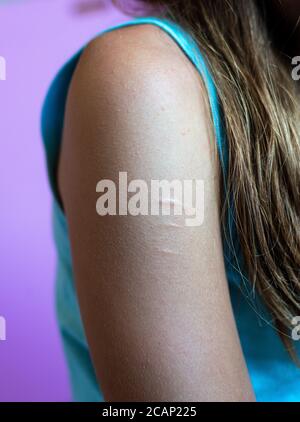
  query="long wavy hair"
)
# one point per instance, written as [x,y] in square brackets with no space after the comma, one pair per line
[260,104]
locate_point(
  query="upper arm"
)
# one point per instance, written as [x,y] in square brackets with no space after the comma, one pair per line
[152,291]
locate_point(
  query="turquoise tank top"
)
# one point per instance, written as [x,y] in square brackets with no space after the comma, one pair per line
[274,376]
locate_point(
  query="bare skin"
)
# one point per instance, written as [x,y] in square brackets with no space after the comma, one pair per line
[153,293]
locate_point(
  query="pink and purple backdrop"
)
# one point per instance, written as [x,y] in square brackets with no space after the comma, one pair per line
[36,37]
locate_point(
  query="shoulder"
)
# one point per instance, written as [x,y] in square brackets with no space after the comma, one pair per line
[134,95]
[136,84]
[140,66]
[132,49]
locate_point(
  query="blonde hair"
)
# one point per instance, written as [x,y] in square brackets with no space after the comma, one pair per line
[259,102]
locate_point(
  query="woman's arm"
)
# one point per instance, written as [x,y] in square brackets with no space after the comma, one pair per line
[153,292]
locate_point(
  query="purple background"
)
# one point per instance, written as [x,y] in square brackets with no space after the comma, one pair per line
[36,38]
